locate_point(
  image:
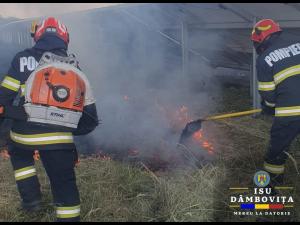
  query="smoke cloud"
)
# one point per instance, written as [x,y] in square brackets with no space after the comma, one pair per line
[28,10]
[137,77]
[143,98]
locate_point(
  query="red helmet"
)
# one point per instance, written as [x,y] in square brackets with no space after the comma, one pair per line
[263,29]
[51,25]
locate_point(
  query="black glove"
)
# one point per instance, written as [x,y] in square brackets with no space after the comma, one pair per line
[267,110]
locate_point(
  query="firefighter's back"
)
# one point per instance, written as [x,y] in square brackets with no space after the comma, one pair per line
[35,135]
[282,60]
[48,90]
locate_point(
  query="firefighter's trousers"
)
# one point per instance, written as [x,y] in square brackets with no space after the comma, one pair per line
[59,166]
[282,134]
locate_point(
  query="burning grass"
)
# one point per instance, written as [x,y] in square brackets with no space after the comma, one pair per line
[117,191]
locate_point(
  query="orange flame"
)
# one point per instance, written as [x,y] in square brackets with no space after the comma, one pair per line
[133,152]
[102,156]
[182,116]
[198,137]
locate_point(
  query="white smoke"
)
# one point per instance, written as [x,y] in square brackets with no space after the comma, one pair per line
[28,10]
[136,74]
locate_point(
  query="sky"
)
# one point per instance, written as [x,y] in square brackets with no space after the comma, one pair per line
[29,10]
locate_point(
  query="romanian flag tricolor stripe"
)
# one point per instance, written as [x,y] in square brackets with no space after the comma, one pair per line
[262,206]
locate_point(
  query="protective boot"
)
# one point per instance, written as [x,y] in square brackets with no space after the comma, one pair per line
[275,181]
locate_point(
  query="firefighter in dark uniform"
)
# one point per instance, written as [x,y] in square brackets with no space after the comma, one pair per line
[54,143]
[278,72]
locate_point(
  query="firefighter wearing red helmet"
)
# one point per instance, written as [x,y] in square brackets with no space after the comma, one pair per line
[278,73]
[58,104]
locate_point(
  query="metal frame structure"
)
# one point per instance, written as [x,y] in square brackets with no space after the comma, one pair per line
[180,20]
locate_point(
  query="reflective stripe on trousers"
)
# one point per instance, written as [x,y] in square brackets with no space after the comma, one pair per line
[68,212]
[25,172]
[272,168]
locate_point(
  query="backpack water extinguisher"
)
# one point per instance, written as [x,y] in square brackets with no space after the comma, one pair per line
[55,91]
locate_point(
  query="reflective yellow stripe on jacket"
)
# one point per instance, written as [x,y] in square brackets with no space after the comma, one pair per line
[266,86]
[42,139]
[278,78]
[286,73]
[287,111]
[11,83]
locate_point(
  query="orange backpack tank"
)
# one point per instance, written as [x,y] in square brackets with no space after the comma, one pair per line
[55,91]
[57,87]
